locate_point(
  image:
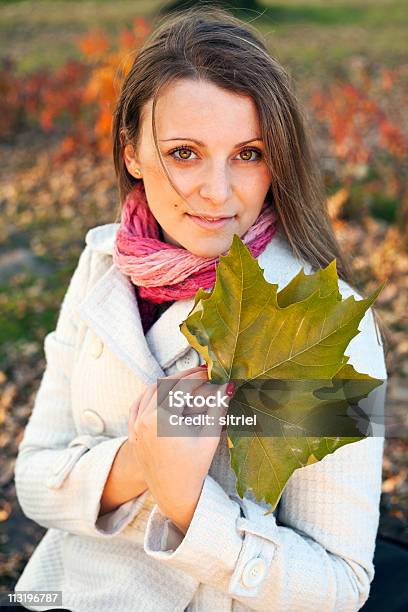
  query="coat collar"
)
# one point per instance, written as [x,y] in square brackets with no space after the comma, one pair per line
[110,308]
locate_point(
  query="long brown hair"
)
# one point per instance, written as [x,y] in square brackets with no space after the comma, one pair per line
[209,43]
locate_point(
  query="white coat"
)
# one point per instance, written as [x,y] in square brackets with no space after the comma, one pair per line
[315,552]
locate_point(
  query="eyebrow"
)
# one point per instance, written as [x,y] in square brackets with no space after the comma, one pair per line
[203,145]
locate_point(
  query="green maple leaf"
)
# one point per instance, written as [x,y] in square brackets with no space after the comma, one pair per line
[285,350]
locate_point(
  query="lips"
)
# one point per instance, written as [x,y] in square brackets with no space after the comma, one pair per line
[210,222]
[207,218]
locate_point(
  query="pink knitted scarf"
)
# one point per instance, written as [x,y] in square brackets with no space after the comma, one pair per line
[164,272]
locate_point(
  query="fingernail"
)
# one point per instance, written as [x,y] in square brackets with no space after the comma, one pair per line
[203,366]
[230,389]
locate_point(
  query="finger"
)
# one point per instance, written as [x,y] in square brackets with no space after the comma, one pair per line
[134,409]
[206,394]
[189,372]
[190,395]
[211,402]
[215,412]
[167,384]
[172,392]
[145,401]
[191,381]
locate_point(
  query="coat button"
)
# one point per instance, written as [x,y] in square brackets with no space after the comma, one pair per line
[96,347]
[253,572]
[93,421]
[191,359]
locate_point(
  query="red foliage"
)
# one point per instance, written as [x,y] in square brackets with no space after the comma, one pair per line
[78,97]
[363,121]
[361,116]
[357,123]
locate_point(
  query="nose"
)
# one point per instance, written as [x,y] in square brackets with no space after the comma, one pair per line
[216,186]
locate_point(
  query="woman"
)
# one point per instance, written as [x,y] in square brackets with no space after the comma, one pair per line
[206,127]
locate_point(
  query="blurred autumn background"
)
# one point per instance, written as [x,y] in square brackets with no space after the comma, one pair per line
[61,65]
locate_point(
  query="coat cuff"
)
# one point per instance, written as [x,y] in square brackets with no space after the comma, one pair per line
[211,537]
[221,547]
[115,521]
[85,466]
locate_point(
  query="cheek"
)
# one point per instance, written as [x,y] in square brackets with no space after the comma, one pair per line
[252,208]
[255,183]
[161,201]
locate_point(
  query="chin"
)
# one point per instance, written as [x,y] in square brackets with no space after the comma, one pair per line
[210,250]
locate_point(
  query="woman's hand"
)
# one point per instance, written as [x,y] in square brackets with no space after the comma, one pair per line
[125,480]
[175,467]
[131,443]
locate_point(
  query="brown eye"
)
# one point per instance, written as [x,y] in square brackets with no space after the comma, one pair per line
[182,151]
[247,153]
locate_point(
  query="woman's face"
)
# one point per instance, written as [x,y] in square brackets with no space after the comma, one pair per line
[219,176]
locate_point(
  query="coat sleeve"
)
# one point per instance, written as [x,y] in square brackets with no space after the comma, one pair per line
[60,475]
[318,553]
